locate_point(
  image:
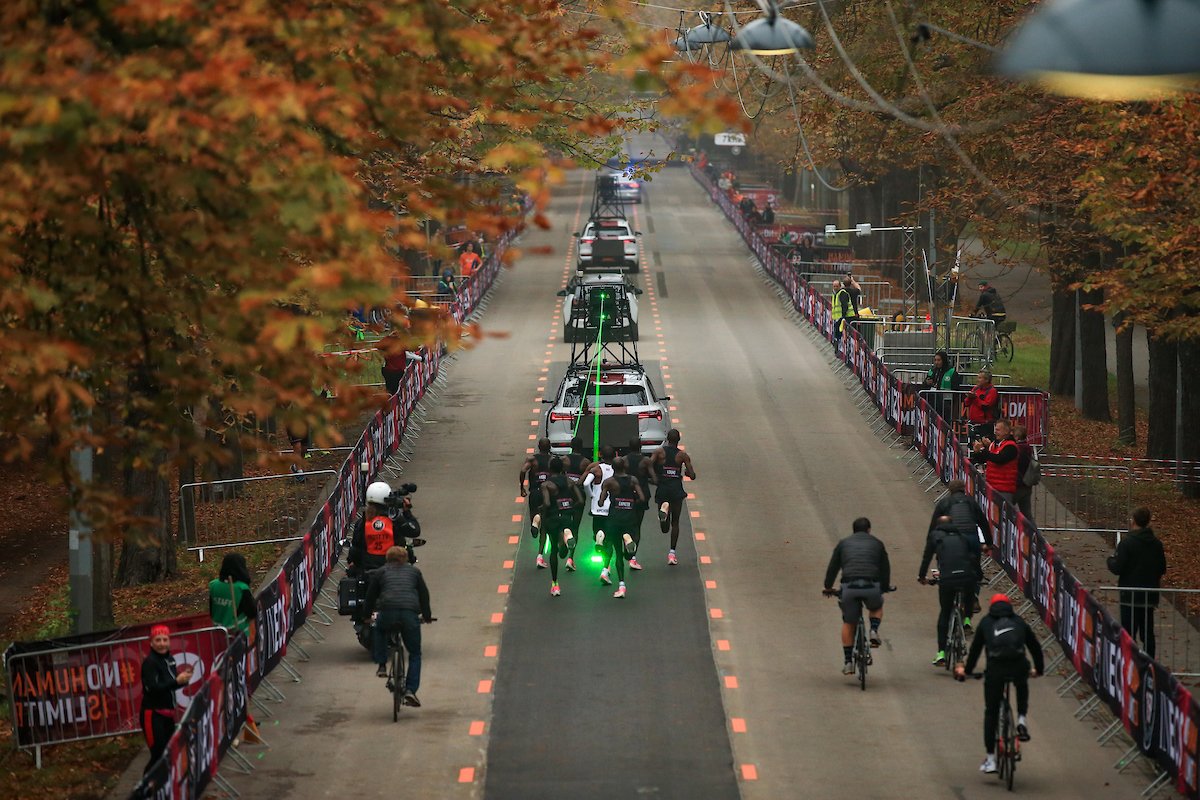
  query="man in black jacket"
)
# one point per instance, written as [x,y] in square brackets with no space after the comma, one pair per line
[958,564]
[970,520]
[397,595]
[160,679]
[1007,637]
[1139,564]
[866,573]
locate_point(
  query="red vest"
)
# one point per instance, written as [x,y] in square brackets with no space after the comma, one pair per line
[1002,477]
[379,535]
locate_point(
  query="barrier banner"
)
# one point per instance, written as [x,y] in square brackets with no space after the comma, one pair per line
[272,630]
[81,687]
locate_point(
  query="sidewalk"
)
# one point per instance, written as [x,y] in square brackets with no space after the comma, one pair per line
[1026,294]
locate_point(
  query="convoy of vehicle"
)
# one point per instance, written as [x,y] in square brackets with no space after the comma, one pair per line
[600,304]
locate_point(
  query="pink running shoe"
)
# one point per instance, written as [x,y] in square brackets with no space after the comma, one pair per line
[633,564]
[541,561]
[555,591]
[671,559]
[570,565]
[620,592]
[607,581]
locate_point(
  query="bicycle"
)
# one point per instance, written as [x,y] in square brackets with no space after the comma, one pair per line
[860,652]
[395,676]
[956,635]
[1007,748]
[1000,347]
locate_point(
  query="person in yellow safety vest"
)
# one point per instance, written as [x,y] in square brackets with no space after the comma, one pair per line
[843,309]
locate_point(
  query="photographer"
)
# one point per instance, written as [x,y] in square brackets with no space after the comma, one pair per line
[374,532]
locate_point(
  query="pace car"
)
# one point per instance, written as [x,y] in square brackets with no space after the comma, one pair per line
[600,304]
[623,394]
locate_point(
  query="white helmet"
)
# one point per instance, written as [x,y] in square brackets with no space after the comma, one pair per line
[378,493]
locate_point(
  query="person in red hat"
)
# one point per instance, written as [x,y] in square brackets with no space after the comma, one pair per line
[160,679]
[1006,637]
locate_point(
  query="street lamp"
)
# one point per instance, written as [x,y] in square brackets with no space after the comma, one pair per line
[1108,49]
[772,35]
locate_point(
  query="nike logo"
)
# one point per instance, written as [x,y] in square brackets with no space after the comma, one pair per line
[999,631]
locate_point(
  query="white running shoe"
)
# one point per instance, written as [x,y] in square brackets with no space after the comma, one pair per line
[989,764]
[633,563]
[671,559]
[607,581]
[540,563]
[555,591]
[620,592]
[537,522]
[847,668]
[570,565]
[568,538]
[663,511]
[599,539]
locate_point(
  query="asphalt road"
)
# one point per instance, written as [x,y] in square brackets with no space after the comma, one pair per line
[717,677]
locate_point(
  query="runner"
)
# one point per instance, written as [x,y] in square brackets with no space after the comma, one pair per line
[670,466]
[535,470]
[638,467]
[575,466]
[560,498]
[597,473]
[624,494]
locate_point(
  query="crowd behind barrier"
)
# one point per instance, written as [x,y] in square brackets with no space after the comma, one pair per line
[1154,707]
[89,686]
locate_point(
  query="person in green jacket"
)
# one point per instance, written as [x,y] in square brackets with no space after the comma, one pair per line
[944,377]
[230,599]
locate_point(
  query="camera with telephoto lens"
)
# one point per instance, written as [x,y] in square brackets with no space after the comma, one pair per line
[396,500]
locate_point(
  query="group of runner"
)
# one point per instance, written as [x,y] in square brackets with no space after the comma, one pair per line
[615,489]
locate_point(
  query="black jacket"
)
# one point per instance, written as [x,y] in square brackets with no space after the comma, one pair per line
[967,515]
[358,555]
[860,556]
[990,302]
[398,587]
[159,682]
[1003,614]
[1139,561]
[951,572]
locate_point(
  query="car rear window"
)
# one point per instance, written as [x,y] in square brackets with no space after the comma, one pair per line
[612,395]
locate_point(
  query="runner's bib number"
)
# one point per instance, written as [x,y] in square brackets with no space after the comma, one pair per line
[624,503]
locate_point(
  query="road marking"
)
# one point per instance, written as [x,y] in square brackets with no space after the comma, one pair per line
[485,687]
[693,514]
[699,537]
[532,437]
[705,560]
[466,775]
[749,772]
[710,584]
[514,540]
[716,613]
[517,517]
[534,422]
[502,588]
[490,651]
[691,495]
[528,449]
[723,645]
[476,728]
[738,724]
[498,617]
[731,682]
[509,564]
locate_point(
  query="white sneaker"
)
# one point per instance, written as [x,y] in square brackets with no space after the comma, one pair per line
[633,563]
[847,668]
[620,592]
[555,591]
[989,764]
[537,522]
[540,563]
[570,565]
[663,511]
[607,581]
[599,539]
[568,538]
[671,559]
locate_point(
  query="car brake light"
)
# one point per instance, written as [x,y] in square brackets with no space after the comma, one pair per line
[633,184]
[656,414]
[562,416]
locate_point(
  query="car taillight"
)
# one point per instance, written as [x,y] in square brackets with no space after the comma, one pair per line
[632,184]
[562,416]
[656,414]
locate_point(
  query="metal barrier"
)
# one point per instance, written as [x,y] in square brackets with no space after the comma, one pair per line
[1176,626]
[361,366]
[244,511]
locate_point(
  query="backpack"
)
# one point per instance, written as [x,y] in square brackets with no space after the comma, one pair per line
[1033,472]
[955,559]
[962,513]
[1006,639]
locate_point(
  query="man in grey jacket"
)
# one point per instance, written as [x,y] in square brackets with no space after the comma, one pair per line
[399,600]
[866,572]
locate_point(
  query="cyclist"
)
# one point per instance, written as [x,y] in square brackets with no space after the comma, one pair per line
[575,466]
[598,472]
[396,596]
[863,561]
[670,465]
[560,497]
[535,470]
[1006,637]
[623,494]
[969,518]
[989,305]
[638,467]
[958,559]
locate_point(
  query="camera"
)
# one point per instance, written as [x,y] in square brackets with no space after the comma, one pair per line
[397,499]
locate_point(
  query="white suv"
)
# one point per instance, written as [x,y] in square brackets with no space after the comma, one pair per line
[623,391]
[608,242]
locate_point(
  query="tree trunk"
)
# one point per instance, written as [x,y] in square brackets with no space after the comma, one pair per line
[1160,438]
[1095,361]
[149,552]
[187,502]
[1062,343]
[1126,403]
[102,585]
[1189,364]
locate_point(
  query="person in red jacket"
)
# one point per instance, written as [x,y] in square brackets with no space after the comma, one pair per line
[1001,457]
[981,406]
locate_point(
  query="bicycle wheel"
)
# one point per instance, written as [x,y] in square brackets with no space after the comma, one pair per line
[1008,762]
[862,652]
[1004,348]
[397,680]
[973,344]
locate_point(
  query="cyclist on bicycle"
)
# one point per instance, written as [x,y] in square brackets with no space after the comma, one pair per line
[866,572]
[989,305]
[1006,637]
[397,593]
[958,557]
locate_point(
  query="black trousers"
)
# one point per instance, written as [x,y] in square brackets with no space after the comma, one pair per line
[993,693]
[157,728]
[946,594]
[1139,621]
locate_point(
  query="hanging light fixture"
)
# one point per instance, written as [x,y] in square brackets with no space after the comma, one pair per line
[1108,49]
[772,35]
[707,32]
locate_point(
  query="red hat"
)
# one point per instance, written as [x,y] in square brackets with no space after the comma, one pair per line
[1000,598]
[159,630]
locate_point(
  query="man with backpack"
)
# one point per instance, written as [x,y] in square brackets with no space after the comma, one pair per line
[970,520]
[958,560]
[1006,637]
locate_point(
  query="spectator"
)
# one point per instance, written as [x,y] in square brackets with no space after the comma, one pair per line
[393,367]
[844,311]
[1139,565]
[230,599]
[982,407]
[1025,454]
[942,376]
[768,215]
[746,204]
[160,678]
[469,260]
[1000,456]
[446,288]
[807,249]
